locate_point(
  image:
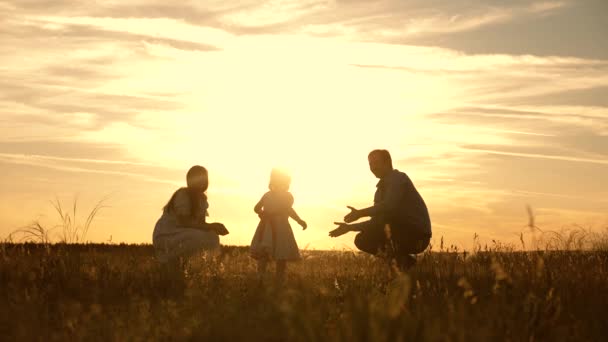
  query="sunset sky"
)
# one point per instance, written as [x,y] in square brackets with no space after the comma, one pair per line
[487,105]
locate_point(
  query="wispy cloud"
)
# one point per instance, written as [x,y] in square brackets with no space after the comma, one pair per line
[537,155]
[79,165]
[37,157]
[468,25]
[384,19]
[548,120]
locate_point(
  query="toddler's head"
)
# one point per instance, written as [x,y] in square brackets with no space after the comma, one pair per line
[279,180]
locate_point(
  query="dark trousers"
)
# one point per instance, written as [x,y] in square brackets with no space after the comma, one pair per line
[402,241]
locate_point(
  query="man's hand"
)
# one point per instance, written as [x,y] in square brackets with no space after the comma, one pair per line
[353,216]
[219,228]
[342,229]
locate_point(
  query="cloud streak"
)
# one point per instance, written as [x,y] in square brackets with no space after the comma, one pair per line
[62,164]
[385,20]
[537,155]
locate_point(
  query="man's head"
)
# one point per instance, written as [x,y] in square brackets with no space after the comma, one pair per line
[380,163]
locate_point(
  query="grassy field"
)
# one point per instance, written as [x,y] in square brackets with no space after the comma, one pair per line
[119,292]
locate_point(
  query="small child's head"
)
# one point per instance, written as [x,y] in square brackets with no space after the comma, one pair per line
[279,180]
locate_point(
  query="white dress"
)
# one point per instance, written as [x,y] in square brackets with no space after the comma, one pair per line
[171,241]
[273,238]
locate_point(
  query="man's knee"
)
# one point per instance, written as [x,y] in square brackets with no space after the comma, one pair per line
[413,245]
[364,244]
[421,245]
[359,241]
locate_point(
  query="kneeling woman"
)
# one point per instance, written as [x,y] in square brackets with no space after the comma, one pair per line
[182,230]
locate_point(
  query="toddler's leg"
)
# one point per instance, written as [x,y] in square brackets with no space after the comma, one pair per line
[281,268]
[262,264]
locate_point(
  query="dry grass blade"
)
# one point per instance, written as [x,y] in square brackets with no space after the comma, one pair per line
[100,205]
[532,219]
[34,232]
[71,231]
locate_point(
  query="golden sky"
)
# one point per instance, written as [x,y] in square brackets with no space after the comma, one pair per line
[487,105]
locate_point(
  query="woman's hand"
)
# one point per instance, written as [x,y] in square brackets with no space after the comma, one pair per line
[303,224]
[218,228]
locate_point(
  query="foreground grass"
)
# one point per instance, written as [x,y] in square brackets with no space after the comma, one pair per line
[111,292]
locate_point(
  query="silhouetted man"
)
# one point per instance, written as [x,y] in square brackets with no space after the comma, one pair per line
[397,205]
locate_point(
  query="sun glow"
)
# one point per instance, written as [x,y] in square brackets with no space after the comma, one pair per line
[128,97]
[281,101]
[290,106]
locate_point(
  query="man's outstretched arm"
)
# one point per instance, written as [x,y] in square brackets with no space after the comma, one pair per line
[389,203]
[344,228]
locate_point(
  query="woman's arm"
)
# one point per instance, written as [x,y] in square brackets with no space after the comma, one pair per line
[218,228]
[182,209]
[189,222]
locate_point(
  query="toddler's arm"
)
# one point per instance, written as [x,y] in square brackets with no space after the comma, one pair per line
[259,207]
[294,215]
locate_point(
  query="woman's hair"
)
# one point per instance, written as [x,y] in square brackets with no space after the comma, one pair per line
[279,180]
[196,178]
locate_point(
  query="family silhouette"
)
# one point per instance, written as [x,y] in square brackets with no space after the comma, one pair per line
[398,228]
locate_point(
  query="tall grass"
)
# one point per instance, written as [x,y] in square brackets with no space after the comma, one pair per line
[120,293]
[70,228]
[574,237]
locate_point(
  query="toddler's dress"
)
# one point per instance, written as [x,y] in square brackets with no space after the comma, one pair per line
[273,238]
